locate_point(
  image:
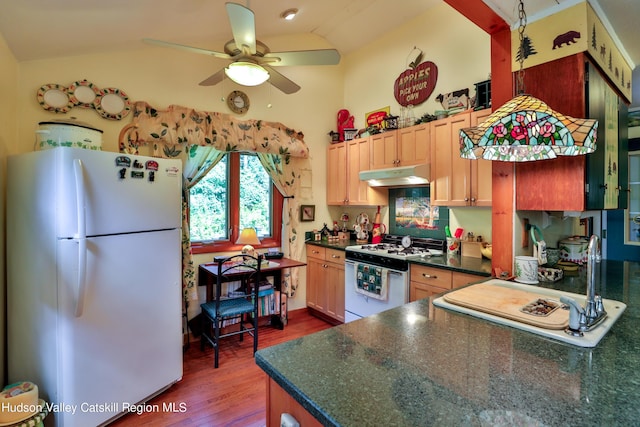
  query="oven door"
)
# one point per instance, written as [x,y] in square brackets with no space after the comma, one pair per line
[358,305]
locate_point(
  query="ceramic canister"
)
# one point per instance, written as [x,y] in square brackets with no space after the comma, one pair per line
[574,249]
[526,269]
[68,133]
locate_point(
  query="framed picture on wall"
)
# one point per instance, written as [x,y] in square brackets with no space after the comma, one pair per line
[307,212]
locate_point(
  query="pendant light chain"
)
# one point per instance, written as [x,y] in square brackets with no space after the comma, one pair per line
[523,24]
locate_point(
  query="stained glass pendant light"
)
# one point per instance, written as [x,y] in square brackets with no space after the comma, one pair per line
[526,129]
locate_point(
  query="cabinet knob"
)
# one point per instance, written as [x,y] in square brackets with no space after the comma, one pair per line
[336,256]
[473,200]
[466,199]
[429,276]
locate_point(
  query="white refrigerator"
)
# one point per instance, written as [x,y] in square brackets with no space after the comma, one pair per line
[94,297]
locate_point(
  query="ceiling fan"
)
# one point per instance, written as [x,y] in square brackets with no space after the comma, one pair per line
[252,59]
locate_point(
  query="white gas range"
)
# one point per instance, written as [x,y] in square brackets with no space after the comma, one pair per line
[377,275]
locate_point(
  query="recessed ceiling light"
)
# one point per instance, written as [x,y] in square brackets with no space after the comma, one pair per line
[289,14]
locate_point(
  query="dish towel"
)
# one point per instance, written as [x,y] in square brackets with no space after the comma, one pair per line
[539,246]
[371,281]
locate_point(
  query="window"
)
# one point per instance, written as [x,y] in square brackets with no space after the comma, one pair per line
[237,193]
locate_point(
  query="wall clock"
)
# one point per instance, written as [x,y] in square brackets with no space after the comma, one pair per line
[238,102]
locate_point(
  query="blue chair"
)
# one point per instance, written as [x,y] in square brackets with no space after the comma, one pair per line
[240,303]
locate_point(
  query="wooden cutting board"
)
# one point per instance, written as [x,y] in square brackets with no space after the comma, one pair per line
[507,303]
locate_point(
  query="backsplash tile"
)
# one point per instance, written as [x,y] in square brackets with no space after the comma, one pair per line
[411,213]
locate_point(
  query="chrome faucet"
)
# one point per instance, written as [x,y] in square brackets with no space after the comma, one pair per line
[583,319]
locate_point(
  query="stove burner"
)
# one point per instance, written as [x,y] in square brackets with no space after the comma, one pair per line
[391,247]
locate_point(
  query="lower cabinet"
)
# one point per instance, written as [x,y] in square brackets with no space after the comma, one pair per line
[325,281]
[426,281]
[280,402]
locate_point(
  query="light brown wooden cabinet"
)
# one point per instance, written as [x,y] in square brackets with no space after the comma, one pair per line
[403,147]
[414,144]
[325,281]
[384,150]
[457,181]
[345,160]
[426,281]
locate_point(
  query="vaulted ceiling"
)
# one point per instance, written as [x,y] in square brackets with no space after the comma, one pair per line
[39,29]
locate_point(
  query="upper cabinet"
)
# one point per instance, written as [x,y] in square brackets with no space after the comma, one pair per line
[595,181]
[345,160]
[457,181]
[403,147]
[414,144]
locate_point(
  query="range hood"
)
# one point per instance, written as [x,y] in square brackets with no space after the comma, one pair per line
[396,177]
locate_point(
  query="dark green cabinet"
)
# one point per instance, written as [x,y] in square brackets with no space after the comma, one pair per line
[607,167]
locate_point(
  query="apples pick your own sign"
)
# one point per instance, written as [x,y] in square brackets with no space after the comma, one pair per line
[416,84]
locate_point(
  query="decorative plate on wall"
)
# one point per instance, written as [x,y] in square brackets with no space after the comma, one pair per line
[54,97]
[82,93]
[111,103]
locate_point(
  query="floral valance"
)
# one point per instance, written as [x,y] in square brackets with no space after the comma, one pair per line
[177,126]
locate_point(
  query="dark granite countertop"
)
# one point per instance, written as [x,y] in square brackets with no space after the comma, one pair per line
[419,365]
[479,266]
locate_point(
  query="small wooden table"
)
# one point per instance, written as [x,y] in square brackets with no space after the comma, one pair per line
[208,272]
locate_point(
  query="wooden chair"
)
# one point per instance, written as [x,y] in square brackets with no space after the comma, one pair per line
[241,273]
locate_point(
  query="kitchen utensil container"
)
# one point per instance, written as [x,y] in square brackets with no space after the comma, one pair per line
[453,246]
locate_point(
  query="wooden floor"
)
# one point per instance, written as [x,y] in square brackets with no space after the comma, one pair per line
[232,395]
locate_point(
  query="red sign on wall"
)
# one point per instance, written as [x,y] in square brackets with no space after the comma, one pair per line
[415,85]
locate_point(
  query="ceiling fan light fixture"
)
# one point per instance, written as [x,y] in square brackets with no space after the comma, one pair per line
[289,14]
[246,73]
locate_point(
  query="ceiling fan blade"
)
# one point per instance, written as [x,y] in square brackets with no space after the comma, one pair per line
[281,82]
[243,26]
[188,48]
[213,79]
[304,57]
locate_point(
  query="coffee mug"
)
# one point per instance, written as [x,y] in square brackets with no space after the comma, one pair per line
[526,268]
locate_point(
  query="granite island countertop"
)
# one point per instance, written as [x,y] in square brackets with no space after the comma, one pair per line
[420,365]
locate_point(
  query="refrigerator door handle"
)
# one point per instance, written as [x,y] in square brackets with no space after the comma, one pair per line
[81,231]
[81,236]
[82,276]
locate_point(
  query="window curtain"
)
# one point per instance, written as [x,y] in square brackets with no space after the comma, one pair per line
[286,177]
[201,139]
[197,162]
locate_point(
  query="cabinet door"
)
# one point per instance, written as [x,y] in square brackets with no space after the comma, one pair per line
[334,283]
[481,170]
[461,177]
[558,184]
[451,174]
[419,291]
[460,279]
[315,293]
[605,166]
[337,174]
[359,192]
[383,150]
[440,162]
[414,145]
